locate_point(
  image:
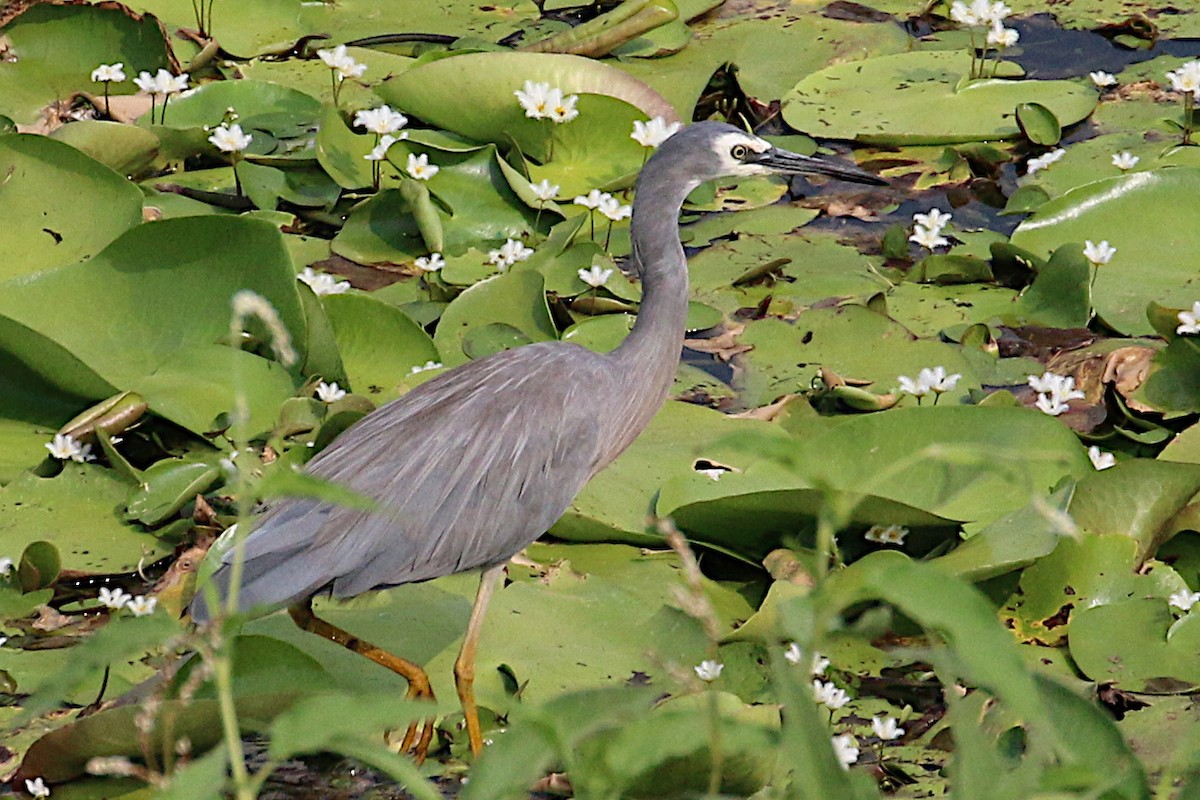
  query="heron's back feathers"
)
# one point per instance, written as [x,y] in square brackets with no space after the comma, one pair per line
[467,469]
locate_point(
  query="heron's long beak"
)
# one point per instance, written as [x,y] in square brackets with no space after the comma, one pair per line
[786,162]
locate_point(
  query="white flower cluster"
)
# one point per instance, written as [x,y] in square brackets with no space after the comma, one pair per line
[1125,161]
[929,381]
[982,12]
[430,263]
[654,131]
[927,229]
[160,83]
[419,167]
[544,190]
[65,447]
[817,664]
[1101,460]
[542,101]
[605,203]
[1189,321]
[708,670]
[509,253]
[230,138]
[1186,79]
[1098,254]
[329,392]
[886,534]
[1102,79]
[1184,599]
[116,599]
[381,120]
[1043,161]
[596,277]
[1054,392]
[342,63]
[829,695]
[322,283]
[428,365]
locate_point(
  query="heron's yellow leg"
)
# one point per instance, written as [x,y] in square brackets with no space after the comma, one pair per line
[418,682]
[464,666]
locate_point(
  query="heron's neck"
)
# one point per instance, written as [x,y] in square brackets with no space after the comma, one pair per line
[649,357]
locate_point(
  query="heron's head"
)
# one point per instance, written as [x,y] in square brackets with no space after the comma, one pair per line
[718,150]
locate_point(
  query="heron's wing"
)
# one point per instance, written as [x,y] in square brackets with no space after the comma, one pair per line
[467,468]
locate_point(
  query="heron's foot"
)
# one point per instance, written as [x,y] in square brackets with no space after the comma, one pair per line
[415,742]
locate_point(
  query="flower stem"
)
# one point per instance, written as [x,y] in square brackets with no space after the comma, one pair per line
[237,181]
[152,106]
[162,117]
[1189,106]
[608,234]
[107,113]
[549,141]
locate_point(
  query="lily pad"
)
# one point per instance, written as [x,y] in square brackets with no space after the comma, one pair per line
[59,205]
[923,98]
[1146,217]
[379,344]
[52,50]
[514,298]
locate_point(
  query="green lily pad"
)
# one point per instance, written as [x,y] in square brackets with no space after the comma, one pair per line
[379,344]
[261,106]
[126,149]
[1154,653]
[168,288]
[59,205]
[515,298]
[52,50]
[168,486]
[78,512]
[592,151]
[1146,217]
[922,98]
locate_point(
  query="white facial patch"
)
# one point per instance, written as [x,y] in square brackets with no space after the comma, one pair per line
[724,146]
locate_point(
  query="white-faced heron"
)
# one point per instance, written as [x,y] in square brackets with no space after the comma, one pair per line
[474,465]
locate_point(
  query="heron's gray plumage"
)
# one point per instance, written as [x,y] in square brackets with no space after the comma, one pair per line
[475,464]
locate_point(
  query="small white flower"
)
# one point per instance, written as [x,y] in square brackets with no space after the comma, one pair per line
[929,239]
[114,598]
[64,446]
[3,641]
[715,473]
[996,12]
[933,221]
[597,277]
[534,99]
[230,138]
[1098,254]
[1048,382]
[1101,460]
[709,670]
[109,73]
[509,253]
[1043,161]
[1189,321]
[1103,79]
[886,728]
[1002,37]
[1184,599]
[795,654]
[915,387]
[162,82]
[963,14]
[1186,78]
[544,190]
[342,62]
[37,787]
[379,151]
[431,263]
[6,566]
[322,283]
[593,199]
[142,606]
[653,131]
[886,534]
[419,167]
[562,109]
[380,120]
[937,380]
[829,695]
[612,208]
[330,392]
[428,365]
[1049,404]
[1125,160]
[844,747]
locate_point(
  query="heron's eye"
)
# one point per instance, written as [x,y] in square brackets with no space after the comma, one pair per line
[739,151]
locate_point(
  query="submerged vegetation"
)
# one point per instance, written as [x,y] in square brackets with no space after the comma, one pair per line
[921,517]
